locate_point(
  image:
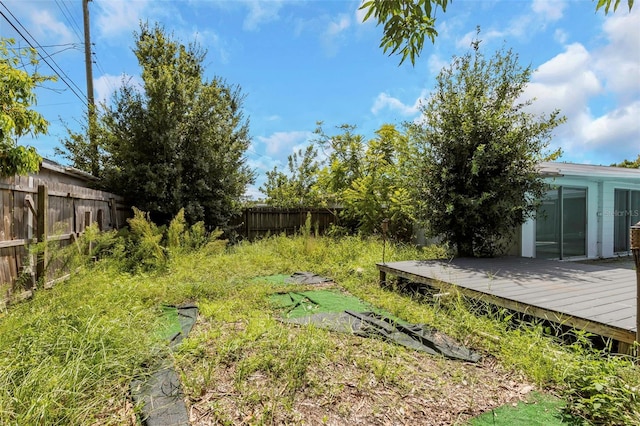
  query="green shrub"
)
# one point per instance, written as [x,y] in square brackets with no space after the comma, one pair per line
[603,389]
[176,231]
[143,245]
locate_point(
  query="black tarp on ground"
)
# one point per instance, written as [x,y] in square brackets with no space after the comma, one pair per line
[340,311]
[161,393]
[306,278]
[370,324]
[162,398]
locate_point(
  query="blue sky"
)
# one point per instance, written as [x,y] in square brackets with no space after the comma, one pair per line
[303,61]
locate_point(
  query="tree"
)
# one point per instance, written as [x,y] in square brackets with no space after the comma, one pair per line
[295,189]
[366,179]
[178,142]
[630,164]
[479,151]
[378,191]
[16,116]
[83,154]
[343,154]
[406,22]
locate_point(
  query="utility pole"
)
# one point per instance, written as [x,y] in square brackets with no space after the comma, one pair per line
[90,99]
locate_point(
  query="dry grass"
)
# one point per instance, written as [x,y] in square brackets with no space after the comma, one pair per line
[353,381]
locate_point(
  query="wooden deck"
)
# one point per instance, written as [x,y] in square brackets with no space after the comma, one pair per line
[598,299]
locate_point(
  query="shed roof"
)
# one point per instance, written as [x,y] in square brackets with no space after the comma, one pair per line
[67,170]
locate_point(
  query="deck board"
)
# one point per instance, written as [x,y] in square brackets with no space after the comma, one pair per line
[600,299]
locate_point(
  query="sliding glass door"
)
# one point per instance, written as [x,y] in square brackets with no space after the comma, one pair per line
[561,224]
[548,227]
[626,211]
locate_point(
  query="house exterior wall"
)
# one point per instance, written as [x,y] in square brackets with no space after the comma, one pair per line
[600,212]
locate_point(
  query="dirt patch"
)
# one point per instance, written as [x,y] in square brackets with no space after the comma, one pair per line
[358,382]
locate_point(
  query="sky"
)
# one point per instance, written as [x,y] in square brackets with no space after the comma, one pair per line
[299,62]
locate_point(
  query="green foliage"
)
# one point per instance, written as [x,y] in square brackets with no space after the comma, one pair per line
[367,179]
[607,4]
[598,388]
[177,143]
[143,249]
[72,351]
[16,118]
[175,232]
[379,190]
[146,247]
[297,188]
[630,164]
[198,236]
[85,154]
[182,237]
[406,22]
[344,157]
[479,150]
[69,355]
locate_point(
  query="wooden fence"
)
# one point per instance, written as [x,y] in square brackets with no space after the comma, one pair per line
[50,206]
[257,222]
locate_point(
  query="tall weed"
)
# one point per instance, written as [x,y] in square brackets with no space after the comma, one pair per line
[67,356]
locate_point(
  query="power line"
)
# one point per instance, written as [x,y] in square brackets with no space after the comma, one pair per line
[72,45]
[41,48]
[44,59]
[74,25]
[59,51]
[102,70]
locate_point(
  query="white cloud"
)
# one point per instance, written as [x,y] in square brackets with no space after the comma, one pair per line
[117,18]
[620,125]
[435,64]
[525,25]
[551,10]
[619,61]
[334,33]
[564,66]
[253,193]
[280,143]
[260,12]
[486,36]
[337,26]
[261,163]
[565,82]
[560,36]
[54,30]
[579,80]
[384,100]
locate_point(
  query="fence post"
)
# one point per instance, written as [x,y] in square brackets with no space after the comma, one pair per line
[43,213]
[114,213]
[247,227]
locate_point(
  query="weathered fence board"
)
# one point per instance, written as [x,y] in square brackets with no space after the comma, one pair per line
[258,222]
[60,216]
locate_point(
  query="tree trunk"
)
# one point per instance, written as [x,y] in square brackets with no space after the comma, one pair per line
[464,246]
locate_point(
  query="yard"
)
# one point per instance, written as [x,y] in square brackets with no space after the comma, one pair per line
[69,356]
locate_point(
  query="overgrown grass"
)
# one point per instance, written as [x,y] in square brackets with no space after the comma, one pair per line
[68,355]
